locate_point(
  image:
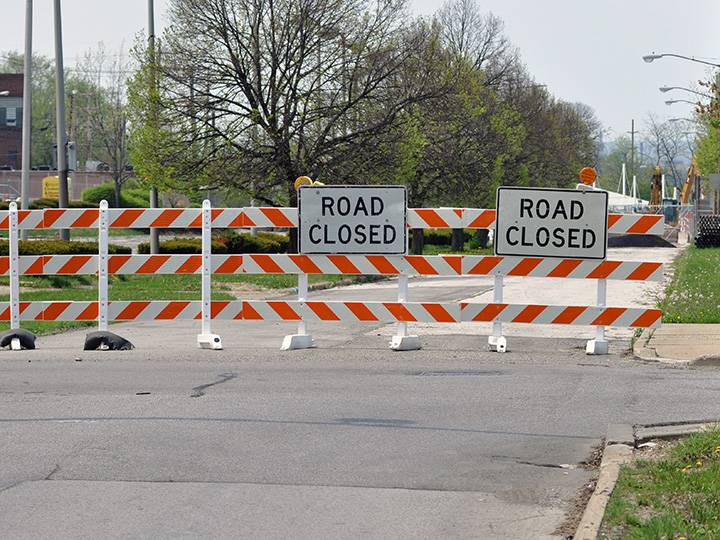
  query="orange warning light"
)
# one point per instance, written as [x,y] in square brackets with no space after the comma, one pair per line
[303,181]
[588,176]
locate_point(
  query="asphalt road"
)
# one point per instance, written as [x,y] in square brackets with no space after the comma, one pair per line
[346,440]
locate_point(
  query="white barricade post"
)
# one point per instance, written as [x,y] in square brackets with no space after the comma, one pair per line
[14,252]
[207,340]
[103,254]
[301,340]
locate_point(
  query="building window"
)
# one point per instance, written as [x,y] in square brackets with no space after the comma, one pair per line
[11,118]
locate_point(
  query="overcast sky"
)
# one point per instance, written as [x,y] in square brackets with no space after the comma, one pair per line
[583,51]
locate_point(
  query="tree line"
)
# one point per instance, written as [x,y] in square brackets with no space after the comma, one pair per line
[247,95]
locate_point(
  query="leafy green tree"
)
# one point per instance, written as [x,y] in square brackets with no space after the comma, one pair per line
[254,93]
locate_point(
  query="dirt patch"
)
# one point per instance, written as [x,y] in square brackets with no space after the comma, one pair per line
[579,502]
[638,240]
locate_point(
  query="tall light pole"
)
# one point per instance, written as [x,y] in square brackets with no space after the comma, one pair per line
[27,115]
[63,200]
[650,57]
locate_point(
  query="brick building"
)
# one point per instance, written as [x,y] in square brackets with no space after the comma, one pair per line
[11,118]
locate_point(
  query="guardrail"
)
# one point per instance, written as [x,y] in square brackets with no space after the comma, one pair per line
[402,312]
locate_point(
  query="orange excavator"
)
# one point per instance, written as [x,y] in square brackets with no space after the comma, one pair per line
[689,182]
[656,192]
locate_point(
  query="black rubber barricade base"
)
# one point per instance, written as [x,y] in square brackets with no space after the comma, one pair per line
[106,341]
[26,338]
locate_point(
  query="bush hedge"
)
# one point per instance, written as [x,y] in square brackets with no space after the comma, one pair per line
[264,242]
[443,237]
[186,246]
[60,247]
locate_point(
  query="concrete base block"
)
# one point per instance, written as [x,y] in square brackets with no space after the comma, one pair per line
[209,341]
[595,346]
[297,341]
[497,344]
[405,343]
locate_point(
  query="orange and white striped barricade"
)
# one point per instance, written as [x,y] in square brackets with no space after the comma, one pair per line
[570,315]
[602,270]
[400,265]
[134,310]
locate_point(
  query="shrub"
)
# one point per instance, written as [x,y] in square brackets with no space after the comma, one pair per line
[186,246]
[60,247]
[443,237]
[134,198]
[264,242]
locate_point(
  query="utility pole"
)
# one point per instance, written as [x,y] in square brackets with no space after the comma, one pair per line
[63,201]
[27,114]
[154,232]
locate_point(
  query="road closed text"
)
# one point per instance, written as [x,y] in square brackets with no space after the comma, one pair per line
[352,219]
[551,223]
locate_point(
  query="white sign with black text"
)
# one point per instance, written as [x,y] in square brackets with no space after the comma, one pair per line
[346,220]
[562,223]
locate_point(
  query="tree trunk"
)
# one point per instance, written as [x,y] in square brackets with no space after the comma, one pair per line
[418,241]
[458,240]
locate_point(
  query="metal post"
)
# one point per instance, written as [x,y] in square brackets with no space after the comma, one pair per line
[154,233]
[599,345]
[63,201]
[103,254]
[207,340]
[497,342]
[402,297]
[302,297]
[402,341]
[14,251]
[27,113]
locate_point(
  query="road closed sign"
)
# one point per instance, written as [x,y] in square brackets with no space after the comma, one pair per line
[562,223]
[346,220]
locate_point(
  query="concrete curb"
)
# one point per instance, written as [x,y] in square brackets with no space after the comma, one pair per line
[620,443]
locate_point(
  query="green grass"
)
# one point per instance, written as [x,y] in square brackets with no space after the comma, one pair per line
[694,293]
[675,497]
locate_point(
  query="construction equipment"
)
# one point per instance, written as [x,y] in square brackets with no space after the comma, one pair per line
[656,191]
[689,182]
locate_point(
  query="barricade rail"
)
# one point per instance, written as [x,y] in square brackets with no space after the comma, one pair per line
[103,264]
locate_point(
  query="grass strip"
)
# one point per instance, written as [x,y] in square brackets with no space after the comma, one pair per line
[674,496]
[693,296]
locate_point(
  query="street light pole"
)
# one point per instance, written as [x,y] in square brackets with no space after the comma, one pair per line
[63,201]
[27,115]
[650,57]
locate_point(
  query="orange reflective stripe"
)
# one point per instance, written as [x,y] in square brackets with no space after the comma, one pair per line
[488,313]
[524,267]
[529,314]
[439,313]
[116,262]
[564,268]
[285,311]
[191,265]
[382,264]
[230,265]
[268,265]
[608,316]
[127,218]
[343,264]
[604,269]
[74,265]
[305,264]
[323,311]
[644,271]
[132,311]
[361,311]
[400,312]
[485,266]
[647,319]
[569,315]
[172,310]
[153,264]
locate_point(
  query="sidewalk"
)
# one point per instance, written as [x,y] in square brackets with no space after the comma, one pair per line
[694,344]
